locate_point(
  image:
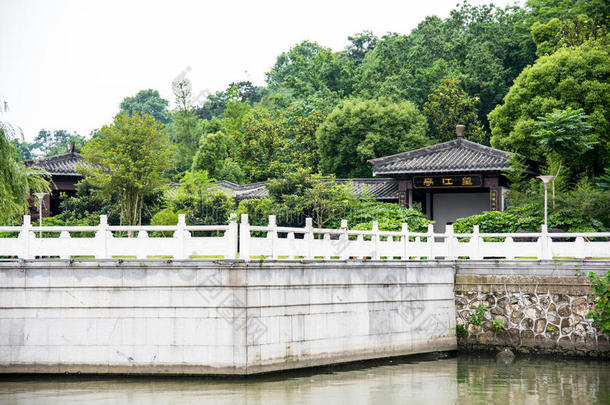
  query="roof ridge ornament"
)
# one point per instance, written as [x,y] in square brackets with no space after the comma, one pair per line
[460,129]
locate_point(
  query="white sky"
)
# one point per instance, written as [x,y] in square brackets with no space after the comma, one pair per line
[68,64]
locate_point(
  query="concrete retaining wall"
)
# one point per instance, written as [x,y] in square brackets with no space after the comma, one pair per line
[541,306]
[224,317]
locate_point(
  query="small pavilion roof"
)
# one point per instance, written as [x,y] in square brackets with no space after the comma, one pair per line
[458,155]
[62,165]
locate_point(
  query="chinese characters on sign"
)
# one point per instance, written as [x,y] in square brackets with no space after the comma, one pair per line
[467,180]
[493,199]
[402,198]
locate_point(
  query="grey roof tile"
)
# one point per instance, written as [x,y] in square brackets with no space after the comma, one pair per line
[64,164]
[453,156]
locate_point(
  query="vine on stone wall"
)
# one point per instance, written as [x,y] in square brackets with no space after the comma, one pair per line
[601,307]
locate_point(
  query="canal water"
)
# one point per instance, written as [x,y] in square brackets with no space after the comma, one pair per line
[415,380]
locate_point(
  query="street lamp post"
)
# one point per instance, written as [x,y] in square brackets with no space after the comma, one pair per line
[40,196]
[545,180]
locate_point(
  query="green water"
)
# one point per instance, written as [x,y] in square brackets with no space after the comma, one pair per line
[462,380]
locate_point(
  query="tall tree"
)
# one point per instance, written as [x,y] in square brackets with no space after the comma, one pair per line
[484,46]
[570,78]
[147,102]
[544,10]
[186,126]
[361,44]
[365,129]
[308,68]
[50,143]
[129,157]
[448,106]
[568,32]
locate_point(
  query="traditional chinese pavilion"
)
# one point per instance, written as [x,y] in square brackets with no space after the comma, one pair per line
[450,180]
[64,177]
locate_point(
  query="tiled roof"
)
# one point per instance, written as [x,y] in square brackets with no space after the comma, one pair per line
[64,164]
[379,189]
[458,155]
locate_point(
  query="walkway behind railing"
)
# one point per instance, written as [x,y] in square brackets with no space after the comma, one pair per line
[221,241]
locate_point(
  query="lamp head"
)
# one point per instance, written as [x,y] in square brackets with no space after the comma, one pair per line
[546,179]
[40,195]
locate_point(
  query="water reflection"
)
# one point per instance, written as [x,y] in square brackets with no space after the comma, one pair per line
[462,380]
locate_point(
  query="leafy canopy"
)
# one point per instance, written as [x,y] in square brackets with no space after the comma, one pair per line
[129,157]
[575,78]
[147,102]
[365,129]
[449,105]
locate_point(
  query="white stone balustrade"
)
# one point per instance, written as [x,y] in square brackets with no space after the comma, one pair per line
[276,242]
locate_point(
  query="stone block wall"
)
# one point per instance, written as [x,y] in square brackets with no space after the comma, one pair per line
[218,317]
[539,313]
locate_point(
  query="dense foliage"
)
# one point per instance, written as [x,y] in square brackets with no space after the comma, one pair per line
[365,129]
[570,78]
[129,157]
[17,182]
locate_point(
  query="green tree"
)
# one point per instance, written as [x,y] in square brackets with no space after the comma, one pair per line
[186,127]
[308,68]
[603,182]
[49,143]
[365,129]
[574,31]
[544,10]
[147,102]
[214,156]
[17,182]
[129,157]
[200,200]
[360,44]
[327,201]
[262,151]
[216,103]
[484,46]
[570,78]
[448,106]
[562,135]
[300,194]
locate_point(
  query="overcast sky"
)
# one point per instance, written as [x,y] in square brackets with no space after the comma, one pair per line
[68,64]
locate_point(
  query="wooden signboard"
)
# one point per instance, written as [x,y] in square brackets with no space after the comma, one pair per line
[449,181]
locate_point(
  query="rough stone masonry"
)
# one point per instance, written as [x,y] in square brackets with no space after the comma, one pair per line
[539,312]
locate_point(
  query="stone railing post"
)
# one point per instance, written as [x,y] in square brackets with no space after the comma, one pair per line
[101,236]
[430,241]
[376,240]
[244,238]
[180,236]
[476,243]
[142,245]
[272,235]
[545,248]
[232,237]
[309,237]
[65,245]
[343,242]
[580,247]
[451,254]
[25,237]
[405,241]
